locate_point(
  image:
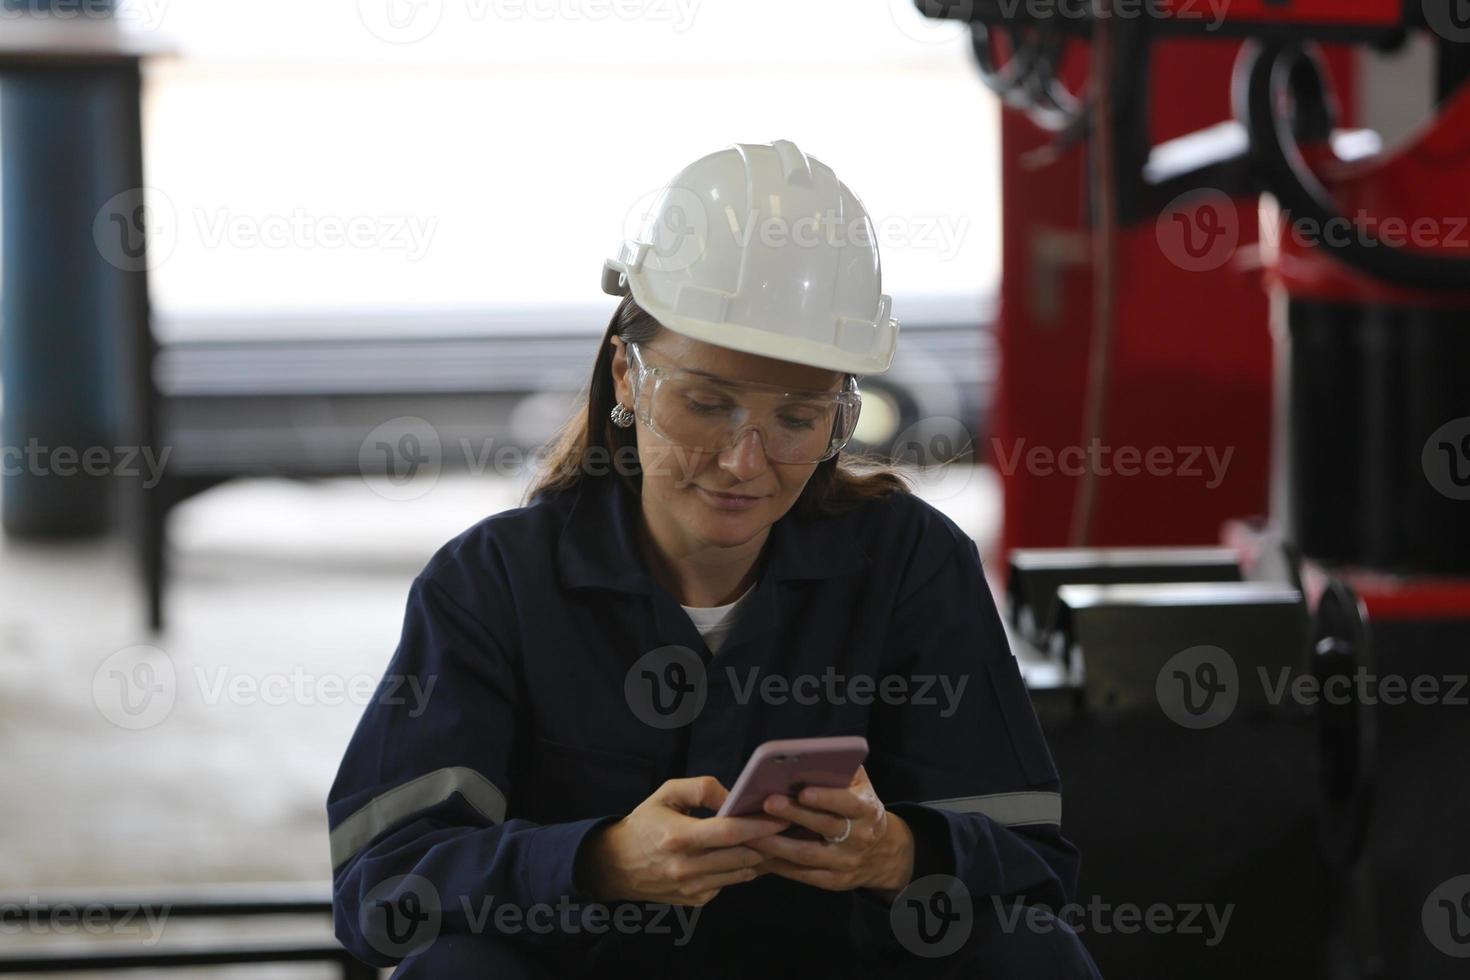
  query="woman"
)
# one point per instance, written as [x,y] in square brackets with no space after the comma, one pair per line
[549,812]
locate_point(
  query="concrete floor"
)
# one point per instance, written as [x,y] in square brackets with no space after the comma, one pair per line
[285,605]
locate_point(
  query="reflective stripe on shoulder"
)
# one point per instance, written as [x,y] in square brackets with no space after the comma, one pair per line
[1010,809]
[428,790]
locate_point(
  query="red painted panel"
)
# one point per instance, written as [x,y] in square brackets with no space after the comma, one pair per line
[1191,377]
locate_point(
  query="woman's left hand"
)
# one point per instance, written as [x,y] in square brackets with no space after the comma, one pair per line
[877,852]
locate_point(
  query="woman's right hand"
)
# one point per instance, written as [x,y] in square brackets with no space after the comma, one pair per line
[658,853]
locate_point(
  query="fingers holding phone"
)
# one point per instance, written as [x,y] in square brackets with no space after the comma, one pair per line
[861,845]
[659,853]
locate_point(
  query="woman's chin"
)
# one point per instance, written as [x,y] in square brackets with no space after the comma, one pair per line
[727,528]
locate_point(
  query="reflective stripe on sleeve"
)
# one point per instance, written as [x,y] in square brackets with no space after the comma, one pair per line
[422,793]
[1010,809]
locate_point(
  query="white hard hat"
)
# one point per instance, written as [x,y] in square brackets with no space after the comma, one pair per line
[760,248]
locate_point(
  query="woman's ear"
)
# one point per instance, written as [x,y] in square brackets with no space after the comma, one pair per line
[622,389]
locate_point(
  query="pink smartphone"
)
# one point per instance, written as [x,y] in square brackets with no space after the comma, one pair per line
[786,765]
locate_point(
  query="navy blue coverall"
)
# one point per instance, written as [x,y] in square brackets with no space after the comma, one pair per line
[553,664]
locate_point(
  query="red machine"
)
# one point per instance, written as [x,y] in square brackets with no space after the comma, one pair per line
[1246,323]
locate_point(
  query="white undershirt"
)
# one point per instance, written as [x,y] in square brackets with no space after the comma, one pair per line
[714,622]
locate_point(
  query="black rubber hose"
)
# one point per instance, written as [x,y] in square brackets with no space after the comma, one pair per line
[1279,67]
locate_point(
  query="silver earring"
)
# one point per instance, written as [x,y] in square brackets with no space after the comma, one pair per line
[622,416]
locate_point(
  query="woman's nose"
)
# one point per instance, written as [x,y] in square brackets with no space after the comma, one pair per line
[747,458]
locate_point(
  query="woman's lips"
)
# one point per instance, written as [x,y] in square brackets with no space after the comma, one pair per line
[728,501]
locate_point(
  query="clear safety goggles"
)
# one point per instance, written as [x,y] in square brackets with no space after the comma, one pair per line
[705,413]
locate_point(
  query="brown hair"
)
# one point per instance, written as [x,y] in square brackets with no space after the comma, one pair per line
[838,484]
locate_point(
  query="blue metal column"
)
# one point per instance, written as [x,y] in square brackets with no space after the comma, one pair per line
[69,134]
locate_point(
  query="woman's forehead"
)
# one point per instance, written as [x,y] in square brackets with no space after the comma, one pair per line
[696,355]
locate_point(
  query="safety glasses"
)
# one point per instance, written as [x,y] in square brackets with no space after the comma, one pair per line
[708,414]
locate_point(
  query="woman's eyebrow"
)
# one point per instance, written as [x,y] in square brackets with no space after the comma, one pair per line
[728,383]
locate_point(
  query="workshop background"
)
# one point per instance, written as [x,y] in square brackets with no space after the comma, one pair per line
[290,294]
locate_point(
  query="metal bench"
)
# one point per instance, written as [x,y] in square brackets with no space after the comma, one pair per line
[110,909]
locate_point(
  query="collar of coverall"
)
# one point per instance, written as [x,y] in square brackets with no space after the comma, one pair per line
[599,544]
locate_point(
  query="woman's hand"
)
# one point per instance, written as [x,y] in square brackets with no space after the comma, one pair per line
[658,853]
[877,854]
